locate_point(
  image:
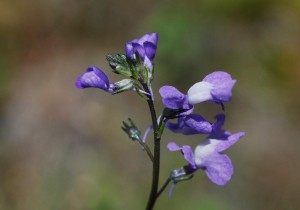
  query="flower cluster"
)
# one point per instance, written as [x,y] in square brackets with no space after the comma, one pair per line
[215,87]
[137,66]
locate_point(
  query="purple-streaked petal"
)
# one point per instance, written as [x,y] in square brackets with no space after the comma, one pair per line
[198,123]
[99,73]
[172,98]
[218,168]
[152,37]
[222,145]
[217,144]
[181,127]
[132,48]
[223,84]
[190,124]
[150,50]
[129,50]
[145,46]
[93,77]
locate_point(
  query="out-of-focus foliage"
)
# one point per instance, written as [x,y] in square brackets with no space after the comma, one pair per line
[62,148]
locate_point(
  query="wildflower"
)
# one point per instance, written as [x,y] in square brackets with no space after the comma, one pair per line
[145,47]
[214,87]
[94,78]
[207,155]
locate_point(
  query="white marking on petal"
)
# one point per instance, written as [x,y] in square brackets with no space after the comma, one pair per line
[205,149]
[199,92]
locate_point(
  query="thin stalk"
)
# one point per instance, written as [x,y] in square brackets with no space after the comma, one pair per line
[156,159]
[164,186]
[145,147]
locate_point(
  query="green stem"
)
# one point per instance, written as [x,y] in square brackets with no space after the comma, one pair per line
[164,186]
[145,147]
[156,159]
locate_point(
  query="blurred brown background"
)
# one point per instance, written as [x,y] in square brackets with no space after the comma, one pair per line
[62,148]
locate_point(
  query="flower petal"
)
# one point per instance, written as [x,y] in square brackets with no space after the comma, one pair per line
[185,150]
[188,155]
[129,50]
[94,77]
[223,84]
[218,168]
[190,124]
[145,45]
[151,37]
[172,146]
[198,123]
[222,145]
[215,87]
[181,127]
[150,50]
[173,98]
[132,48]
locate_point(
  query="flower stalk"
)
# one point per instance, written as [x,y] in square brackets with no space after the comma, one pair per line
[156,160]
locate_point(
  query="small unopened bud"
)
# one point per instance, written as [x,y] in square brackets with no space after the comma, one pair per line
[123,85]
[132,131]
[119,64]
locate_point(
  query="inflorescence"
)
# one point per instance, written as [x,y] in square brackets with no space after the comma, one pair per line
[137,66]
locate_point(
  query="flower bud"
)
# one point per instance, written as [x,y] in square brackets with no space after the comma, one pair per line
[123,85]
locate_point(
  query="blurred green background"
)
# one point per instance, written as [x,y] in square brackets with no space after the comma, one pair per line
[62,148]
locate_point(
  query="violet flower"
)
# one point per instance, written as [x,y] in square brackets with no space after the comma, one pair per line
[146,48]
[208,156]
[214,87]
[94,78]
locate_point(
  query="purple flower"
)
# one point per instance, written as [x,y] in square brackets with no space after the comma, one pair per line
[208,157]
[214,87]
[94,78]
[145,46]
[191,124]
